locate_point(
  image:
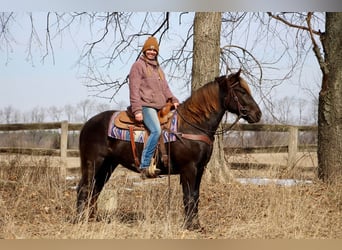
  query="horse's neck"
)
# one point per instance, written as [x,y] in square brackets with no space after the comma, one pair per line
[208,126]
[215,120]
[204,109]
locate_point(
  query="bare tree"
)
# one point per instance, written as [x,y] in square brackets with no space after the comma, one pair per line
[10,114]
[55,113]
[38,114]
[70,112]
[205,67]
[330,99]
[326,49]
[86,108]
[7,113]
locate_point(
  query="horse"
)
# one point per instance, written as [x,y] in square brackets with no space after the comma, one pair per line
[199,117]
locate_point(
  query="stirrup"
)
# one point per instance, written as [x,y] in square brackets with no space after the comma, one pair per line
[148,173]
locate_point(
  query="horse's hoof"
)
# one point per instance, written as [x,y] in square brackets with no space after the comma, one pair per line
[194,227]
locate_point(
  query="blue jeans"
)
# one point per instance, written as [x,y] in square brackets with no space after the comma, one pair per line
[151,121]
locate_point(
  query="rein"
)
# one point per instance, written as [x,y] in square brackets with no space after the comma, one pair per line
[207,131]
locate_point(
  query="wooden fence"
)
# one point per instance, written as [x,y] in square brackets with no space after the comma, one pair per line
[63,152]
[292,147]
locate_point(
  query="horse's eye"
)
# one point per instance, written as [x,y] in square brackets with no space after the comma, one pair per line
[243,92]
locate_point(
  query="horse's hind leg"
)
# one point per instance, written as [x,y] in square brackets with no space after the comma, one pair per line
[101,177]
[94,176]
[85,187]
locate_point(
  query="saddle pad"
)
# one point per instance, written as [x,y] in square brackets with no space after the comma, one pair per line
[139,135]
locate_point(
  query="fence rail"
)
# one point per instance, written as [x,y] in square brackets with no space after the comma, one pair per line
[292,148]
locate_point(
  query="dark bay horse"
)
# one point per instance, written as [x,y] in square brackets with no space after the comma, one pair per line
[198,119]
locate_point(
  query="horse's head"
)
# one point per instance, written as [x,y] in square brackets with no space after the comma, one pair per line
[238,99]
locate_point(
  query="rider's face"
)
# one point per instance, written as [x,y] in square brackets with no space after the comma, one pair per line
[151,54]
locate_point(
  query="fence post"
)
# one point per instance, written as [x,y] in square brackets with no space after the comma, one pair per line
[64,146]
[292,146]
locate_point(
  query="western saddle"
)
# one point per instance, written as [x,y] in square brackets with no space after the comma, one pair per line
[125,120]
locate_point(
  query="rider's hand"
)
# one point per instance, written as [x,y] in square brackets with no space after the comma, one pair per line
[138,117]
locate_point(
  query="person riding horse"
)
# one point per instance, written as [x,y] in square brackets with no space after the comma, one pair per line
[149,92]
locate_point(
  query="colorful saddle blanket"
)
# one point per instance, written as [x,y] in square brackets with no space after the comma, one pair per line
[139,135]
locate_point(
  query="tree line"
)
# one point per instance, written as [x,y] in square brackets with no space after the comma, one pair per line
[80,112]
[286,110]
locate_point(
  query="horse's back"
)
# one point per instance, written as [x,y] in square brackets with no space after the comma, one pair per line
[95,130]
[98,122]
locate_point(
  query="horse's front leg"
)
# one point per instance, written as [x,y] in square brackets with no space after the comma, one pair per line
[190,201]
[190,181]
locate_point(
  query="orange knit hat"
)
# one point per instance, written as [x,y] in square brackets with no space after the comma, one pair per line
[151,43]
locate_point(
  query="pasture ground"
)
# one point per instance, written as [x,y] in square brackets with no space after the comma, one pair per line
[37,203]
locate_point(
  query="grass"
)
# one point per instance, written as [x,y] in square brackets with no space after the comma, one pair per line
[37,203]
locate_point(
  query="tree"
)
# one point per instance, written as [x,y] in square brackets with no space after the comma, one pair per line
[86,107]
[330,95]
[205,67]
[330,100]
[70,112]
[8,114]
[55,113]
[38,114]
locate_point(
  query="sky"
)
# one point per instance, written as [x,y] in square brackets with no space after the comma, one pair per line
[26,84]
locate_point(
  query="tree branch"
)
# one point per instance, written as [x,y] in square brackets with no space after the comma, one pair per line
[245,52]
[277,17]
[48,42]
[323,65]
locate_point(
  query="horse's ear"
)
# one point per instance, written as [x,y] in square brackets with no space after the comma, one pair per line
[235,76]
[238,73]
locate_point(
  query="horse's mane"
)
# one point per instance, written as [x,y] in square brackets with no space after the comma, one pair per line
[201,103]
[205,100]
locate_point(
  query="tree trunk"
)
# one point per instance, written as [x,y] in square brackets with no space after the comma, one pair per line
[206,50]
[205,67]
[330,103]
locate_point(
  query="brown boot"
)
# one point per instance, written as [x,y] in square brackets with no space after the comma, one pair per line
[149,173]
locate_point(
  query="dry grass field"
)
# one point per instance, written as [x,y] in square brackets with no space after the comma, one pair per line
[37,203]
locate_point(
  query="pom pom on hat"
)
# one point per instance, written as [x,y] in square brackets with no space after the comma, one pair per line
[151,43]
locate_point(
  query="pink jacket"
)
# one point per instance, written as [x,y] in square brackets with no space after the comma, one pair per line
[147,86]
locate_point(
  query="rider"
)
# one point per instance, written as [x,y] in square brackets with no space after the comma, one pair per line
[149,92]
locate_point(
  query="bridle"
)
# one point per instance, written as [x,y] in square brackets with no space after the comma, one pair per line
[242,109]
[242,112]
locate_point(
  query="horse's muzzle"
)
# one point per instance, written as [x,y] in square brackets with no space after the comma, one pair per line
[253,117]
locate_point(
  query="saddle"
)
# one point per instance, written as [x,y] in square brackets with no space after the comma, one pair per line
[125,119]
